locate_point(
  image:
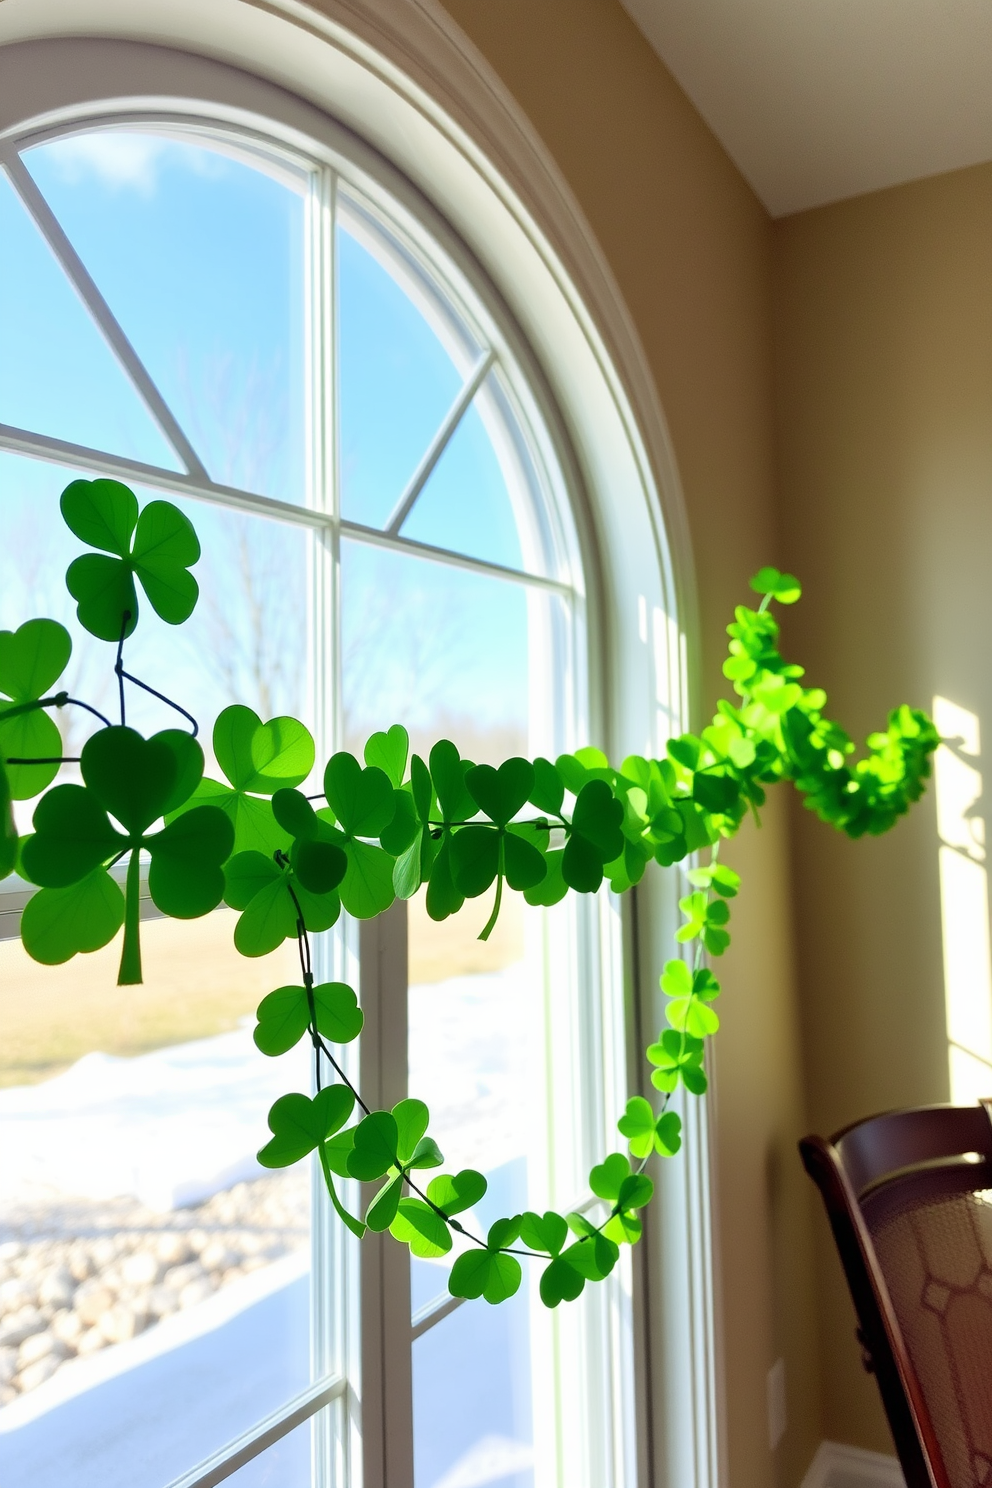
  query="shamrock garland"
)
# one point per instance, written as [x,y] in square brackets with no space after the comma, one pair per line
[386,827]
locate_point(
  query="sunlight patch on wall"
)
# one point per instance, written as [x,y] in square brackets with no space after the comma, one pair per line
[964,902]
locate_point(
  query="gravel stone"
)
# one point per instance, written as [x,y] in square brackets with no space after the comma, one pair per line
[92,1300]
[163,1300]
[39,1346]
[19,1325]
[217,1257]
[180,1276]
[79,1275]
[173,1249]
[17,1293]
[68,1326]
[141,1269]
[57,1288]
[195,1292]
[120,1323]
[36,1374]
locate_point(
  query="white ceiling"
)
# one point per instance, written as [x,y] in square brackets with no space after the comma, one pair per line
[816,100]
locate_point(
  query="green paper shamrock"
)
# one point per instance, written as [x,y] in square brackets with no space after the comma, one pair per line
[298,1123]
[32,658]
[454,804]
[258,759]
[489,1273]
[647,1133]
[58,923]
[267,893]
[136,781]
[283,1016]
[362,804]
[104,513]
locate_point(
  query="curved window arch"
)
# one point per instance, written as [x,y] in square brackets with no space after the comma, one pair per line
[314,534]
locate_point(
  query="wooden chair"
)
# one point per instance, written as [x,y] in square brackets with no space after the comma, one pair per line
[909,1198]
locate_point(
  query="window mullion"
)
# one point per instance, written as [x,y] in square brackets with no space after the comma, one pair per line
[440,442]
[77,273]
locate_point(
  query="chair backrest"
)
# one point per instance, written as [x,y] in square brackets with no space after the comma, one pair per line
[909,1198]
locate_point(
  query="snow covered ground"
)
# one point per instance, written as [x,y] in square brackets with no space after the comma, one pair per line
[115,1151]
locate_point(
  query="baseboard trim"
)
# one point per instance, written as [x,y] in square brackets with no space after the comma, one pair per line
[838,1466]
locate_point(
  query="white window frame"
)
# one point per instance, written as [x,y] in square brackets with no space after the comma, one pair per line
[586,1349]
[401,74]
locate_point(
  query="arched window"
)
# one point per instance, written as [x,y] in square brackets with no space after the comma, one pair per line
[243,305]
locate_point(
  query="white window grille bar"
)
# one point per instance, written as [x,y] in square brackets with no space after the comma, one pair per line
[439,443]
[62,452]
[81,457]
[434,1312]
[265,1433]
[51,230]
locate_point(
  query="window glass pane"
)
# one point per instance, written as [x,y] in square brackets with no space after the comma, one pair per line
[57,374]
[151,1273]
[444,650]
[200,257]
[245,641]
[397,380]
[154,1299]
[286,1464]
[465,504]
[472,1418]
[452,650]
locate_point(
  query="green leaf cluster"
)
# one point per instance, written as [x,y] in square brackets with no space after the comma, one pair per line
[383,828]
[157,547]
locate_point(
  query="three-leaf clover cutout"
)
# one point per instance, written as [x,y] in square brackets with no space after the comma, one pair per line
[157,547]
[133,782]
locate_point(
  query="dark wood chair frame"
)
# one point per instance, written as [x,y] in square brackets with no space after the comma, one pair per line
[925,1152]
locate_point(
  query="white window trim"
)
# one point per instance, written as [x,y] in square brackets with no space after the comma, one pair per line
[405,78]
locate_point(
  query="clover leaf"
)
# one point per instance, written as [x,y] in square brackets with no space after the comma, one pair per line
[158,547]
[362,804]
[422,1228]
[32,658]
[257,759]
[560,1282]
[414,863]
[546,1232]
[784,587]
[458,1191]
[136,781]
[388,752]
[481,853]
[298,1123]
[595,838]
[647,1133]
[705,919]
[455,804]
[485,1273]
[677,1056]
[317,856]
[56,924]
[284,1015]
[267,894]
[691,993]
[374,1149]
[593,1257]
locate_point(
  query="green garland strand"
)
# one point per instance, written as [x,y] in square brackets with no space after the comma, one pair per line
[380,830]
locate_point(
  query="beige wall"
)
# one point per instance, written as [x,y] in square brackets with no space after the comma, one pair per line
[884,349]
[690,247]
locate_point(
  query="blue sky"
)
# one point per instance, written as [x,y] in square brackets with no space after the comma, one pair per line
[200,257]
